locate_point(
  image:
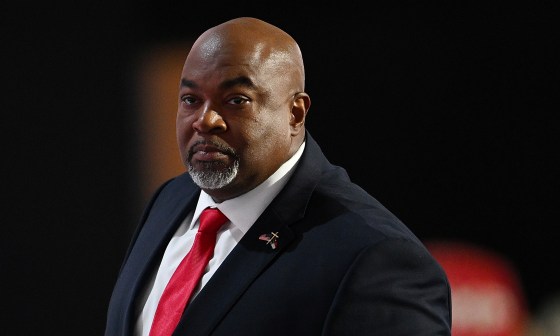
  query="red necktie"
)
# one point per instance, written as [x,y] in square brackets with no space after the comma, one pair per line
[180,287]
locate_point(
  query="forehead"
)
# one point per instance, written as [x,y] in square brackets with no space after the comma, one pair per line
[220,76]
[217,58]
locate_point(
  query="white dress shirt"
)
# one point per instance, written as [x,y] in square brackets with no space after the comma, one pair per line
[242,213]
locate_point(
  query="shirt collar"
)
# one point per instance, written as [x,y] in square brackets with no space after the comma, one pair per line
[244,210]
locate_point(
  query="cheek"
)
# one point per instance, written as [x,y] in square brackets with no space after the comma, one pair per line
[180,133]
[183,129]
[270,141]
[182,144]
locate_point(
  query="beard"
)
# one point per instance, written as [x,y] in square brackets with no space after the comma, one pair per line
[213,175]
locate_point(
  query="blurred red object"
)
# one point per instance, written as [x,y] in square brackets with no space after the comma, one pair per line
[486,291]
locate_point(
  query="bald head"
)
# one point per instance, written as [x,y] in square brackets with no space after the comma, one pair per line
[260,44]
[242,106]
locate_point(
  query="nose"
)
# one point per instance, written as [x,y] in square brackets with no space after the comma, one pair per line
[209,121]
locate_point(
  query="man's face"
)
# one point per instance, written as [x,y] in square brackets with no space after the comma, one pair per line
[233,119]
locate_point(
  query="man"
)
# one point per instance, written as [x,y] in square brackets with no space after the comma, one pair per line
[304,251]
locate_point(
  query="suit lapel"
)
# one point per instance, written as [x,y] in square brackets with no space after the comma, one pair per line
[235,275]
[252,255]
[166,215]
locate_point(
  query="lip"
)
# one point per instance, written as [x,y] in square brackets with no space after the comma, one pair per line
[208,156]
[204,152]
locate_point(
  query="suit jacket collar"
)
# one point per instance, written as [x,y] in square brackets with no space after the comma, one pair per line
[163,215]
[251,256]
[170,206]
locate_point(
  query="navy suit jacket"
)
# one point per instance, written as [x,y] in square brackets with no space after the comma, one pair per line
[344,265]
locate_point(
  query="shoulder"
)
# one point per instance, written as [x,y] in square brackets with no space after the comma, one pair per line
[175,186]
[356,208]
[172,194]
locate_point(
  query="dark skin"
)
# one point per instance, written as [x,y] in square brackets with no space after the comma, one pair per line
[242,98]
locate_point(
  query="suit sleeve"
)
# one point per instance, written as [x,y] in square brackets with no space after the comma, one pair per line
[393,288]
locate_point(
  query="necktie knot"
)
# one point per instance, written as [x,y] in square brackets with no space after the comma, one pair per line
[211,219]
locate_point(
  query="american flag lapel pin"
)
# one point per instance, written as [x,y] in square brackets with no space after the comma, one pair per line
[271,239]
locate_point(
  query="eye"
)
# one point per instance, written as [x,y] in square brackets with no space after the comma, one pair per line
[188,100]
[238,100]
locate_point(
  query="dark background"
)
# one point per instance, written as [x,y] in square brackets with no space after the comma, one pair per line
[446,113]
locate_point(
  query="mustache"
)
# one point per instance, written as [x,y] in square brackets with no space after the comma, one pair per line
[218,146]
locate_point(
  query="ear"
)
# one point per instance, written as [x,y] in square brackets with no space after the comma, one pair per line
[300,106]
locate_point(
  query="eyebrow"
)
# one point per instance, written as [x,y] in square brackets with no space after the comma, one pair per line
[237,81]
[188,83]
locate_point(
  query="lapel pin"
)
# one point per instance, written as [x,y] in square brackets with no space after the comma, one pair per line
[271,239]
